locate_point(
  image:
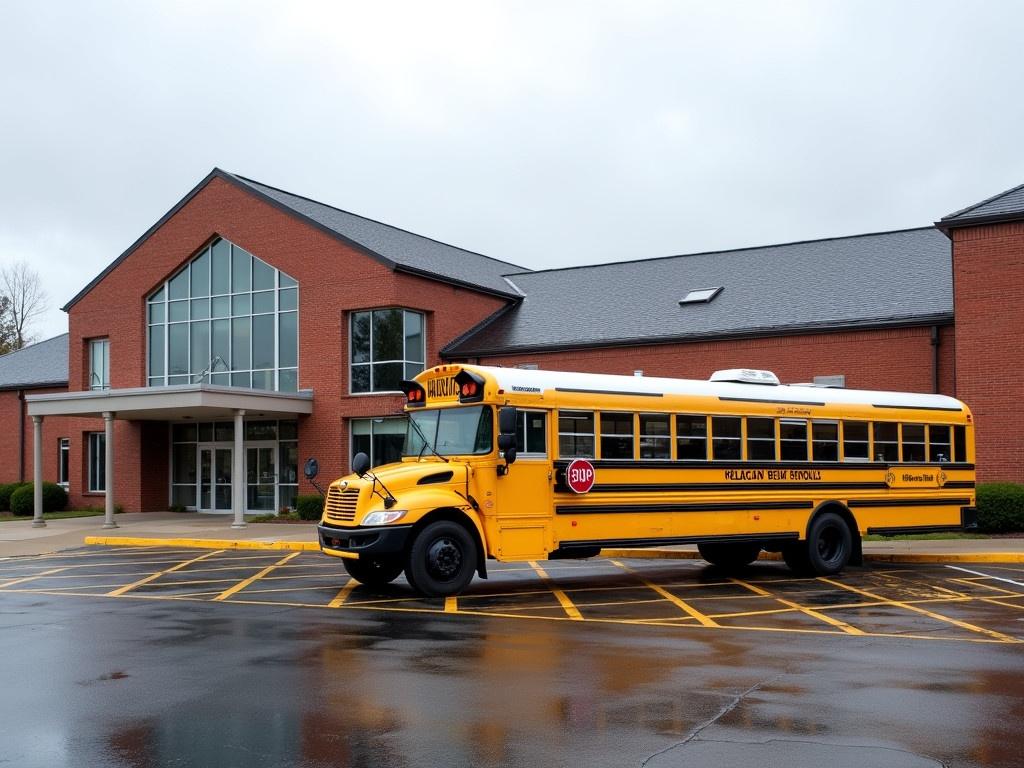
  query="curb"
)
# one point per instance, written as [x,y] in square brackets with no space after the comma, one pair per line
[128,541]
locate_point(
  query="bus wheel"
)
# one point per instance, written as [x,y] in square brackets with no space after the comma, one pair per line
[829,544]
[795,555]
[442,559]
[374,571]
[729,555]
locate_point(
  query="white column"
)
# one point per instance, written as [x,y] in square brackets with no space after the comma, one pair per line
[37,472]
[238,472]
[108,481]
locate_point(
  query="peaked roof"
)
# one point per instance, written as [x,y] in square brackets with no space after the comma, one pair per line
[883,279]
[396,248]
[1005,206]
[42,364]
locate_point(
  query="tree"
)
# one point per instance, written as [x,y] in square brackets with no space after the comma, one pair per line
[8,337]
[23,300]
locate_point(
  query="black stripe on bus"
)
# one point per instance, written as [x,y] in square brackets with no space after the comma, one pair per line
[765,400]
[959,484]
[561,464]
[909,502]
[606,392]
[911,529]
[919,408]
[672,540]
[612,509]
[736,486]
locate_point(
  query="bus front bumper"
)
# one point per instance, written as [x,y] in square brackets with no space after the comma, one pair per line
[358,541]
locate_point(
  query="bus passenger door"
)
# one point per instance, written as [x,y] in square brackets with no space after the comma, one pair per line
[522,523]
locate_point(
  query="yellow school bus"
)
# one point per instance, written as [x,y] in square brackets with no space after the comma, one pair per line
[513,465]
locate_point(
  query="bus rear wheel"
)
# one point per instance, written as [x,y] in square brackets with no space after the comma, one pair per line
[827,549]
[729,555]
[374,571]
[441,560]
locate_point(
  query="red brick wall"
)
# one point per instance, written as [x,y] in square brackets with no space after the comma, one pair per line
[896,359]
[988,284]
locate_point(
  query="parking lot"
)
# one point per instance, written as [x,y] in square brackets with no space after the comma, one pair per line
[135,656]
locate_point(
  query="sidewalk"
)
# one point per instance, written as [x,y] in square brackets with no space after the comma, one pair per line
[191,529]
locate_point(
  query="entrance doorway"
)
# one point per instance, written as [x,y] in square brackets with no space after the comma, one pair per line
[261,477]
[215,479]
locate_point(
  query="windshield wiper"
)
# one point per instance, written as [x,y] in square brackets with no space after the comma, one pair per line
[426,444]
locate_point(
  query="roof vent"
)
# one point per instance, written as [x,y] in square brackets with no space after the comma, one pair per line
[700,295]
[746,376]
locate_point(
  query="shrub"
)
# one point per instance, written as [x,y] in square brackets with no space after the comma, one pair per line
[55,498]
[309,507]
[5,495]
[1000,507]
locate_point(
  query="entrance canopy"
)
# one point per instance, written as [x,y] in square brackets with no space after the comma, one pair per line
[188,401]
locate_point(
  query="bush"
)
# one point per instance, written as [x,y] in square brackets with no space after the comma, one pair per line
[309,507]
[55,499]
[1000,507]
[5,495]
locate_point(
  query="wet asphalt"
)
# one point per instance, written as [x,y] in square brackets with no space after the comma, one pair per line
[186,658]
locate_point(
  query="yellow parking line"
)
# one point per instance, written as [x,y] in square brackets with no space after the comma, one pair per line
[705,621]
[252,579]
[567,605]
[451,604]
[31,578]
[848,628]
[342,595]
[155,576]
[924,611]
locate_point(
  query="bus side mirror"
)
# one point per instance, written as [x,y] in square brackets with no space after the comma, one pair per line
[360,463]
[507,420]
[311,468]
[507,446]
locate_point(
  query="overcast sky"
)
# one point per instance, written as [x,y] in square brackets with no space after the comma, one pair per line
[546,133]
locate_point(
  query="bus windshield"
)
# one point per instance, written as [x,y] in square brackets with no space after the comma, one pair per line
[450,431]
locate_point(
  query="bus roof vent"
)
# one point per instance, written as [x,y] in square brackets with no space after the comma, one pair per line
[746,376]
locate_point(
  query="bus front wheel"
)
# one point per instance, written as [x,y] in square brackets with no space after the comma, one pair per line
[441,560]
[374,571]
[729,555]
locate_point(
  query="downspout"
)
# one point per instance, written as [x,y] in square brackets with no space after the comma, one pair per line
[935,359]
[21,435]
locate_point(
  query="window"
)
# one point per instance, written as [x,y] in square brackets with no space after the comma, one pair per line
[760,439]
[887,447]
[793,439]
[226,318]
[99,364]
[700,295]
[63,461]
[655,437]
[855,441]
[825,440]
[913,442]
[380,439]
[959,443]
[388,345]
[97,462]
[726,438]
[938,443]
[576,434]
[616,435]
[692,438]
[451,431]
[531,433]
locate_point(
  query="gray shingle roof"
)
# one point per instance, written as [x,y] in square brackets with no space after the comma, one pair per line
[399,249]
[889,278]
[1008,205]
[37,365]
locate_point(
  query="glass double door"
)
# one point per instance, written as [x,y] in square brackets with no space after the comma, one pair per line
[216,466]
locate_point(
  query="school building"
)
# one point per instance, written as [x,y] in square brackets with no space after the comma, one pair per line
[250,328]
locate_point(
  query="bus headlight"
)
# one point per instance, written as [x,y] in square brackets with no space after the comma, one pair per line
[384,516]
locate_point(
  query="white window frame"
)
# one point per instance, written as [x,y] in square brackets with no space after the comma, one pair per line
[99,375]
[63,461]
[97,443]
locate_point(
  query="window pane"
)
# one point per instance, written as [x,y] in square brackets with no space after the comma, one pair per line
[289,430]
[793,443]
[158,296]
[221,267]
[177,288]
[177,310]
[616,435]
[288,299]
[183,433]
[262,276]
[241,263]
[913,433]
[177,348]
[411,369]
[535,427]
[240,334]
[289,463]
[414,336]
[205,432]
[655,442]
[360,378]
[261,430]
[960,443]
[220,349]
[183,495]
[288,340]
[387,377]
[361,337]
[760,439]
[262,379]
[157,312]
[200,309]
[387,335]
[576,434]
[886,443]
[200,347]
[201,275]
[285,281]
[855,440]
[263,341]
[241,380]
[220,306]
[263,302]
[938,443]
[913,442]
[288,380]
[825,441]
[691,438]
[725,434]
[224,431]
[241,305]
[156,350]
[761,429]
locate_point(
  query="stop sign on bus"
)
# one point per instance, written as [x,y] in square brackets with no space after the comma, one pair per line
[579,475]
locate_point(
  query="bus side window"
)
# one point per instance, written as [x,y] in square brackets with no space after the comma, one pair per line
[887,446]
[913,442]
[938,443]
[655,439]
[959,443]
[760,439]
[531,433]
[726,438]
[855,441]
[576,434]
[692,438]
[616,435]
[825,440]
[794,439]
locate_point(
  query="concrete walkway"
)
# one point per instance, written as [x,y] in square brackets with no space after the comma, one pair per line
[191,529]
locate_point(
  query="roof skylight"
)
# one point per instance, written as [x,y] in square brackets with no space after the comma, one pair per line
[700,295]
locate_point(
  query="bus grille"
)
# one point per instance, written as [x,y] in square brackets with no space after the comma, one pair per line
[341,505]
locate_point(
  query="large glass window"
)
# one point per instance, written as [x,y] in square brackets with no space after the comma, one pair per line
[451,431]
[388,345]
[227,318]
[99,364]
[616,435]
[576,434]
[97,462]
[380,439]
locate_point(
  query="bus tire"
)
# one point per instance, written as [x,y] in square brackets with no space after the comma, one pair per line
[829,544]
[442,559]
[374,571]
[730,555]
[795,555]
